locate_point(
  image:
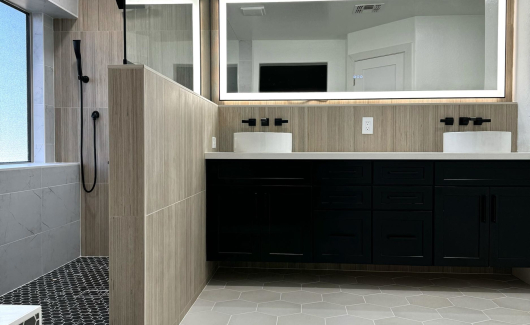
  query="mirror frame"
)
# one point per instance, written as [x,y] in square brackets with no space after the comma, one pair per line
[500,92]
[196,33]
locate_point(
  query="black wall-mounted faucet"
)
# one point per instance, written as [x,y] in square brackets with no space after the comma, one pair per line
[476,120]
[448,121]
[250,122]
[265,121]
[280,121]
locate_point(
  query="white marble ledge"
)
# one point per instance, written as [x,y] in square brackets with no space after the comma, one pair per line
[34,165]
[17,314]
[368,156]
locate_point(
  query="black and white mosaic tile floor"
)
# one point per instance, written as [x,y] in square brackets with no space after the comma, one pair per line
[76,293]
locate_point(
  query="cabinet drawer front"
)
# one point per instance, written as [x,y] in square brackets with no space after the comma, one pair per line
[483,173]
[403,172]
[258,172]
[342,237]
[342,172]
[342,197]
[403,197]
[403,238]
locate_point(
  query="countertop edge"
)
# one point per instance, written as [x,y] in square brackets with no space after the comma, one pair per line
[366,156]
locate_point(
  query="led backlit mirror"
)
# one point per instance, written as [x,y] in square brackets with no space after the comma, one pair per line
[292,50]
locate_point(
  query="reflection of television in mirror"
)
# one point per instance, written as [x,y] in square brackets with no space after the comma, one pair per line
[293,77]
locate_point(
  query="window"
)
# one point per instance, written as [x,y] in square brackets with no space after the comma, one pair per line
[14,86]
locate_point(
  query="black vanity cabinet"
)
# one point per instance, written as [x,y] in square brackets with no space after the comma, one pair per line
[482,214]
[442,213]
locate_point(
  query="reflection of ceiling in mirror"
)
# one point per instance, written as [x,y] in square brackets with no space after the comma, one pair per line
[333,19]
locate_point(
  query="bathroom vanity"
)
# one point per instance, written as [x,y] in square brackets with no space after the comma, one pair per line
[370,208]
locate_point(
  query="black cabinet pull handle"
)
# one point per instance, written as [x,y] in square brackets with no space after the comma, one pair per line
[494,208]
[482,208]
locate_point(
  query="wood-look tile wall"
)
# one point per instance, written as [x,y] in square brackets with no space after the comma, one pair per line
[100,29]
[397,128]
[159,132]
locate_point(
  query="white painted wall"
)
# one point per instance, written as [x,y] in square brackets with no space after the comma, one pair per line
[395,33]
[522,75]
[448,50]
[299,51]
[232,55]
[449,53]
[492,39]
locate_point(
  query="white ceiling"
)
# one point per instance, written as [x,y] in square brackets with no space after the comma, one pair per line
[333,19]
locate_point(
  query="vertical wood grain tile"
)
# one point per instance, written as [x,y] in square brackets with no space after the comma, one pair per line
[110,18]
[154,142]
[88,15]
[299,117]
[101,61]
[57,63]
[126,274]
[173,143]
[443,111]
[95,221]
[230,122]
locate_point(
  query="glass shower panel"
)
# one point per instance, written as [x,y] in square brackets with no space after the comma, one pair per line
[160,36]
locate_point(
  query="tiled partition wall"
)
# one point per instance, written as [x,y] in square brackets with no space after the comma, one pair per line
[159,132]
[336,128]
[39,221]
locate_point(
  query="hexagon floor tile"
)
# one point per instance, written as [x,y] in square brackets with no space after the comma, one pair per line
[301,297]
[260,296]
[324,309]
[301,319]
[279,308]
[367,311]
[77,293]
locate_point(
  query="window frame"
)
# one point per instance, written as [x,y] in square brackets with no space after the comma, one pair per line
[29,80]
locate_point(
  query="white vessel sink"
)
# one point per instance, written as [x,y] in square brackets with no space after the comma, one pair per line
[263,142]
[478,142]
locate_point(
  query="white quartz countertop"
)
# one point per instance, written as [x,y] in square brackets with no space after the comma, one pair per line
[369,156]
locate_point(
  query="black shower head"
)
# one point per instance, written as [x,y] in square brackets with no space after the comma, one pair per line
[77,51]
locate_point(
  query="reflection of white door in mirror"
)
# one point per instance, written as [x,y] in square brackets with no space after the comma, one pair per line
[385,73]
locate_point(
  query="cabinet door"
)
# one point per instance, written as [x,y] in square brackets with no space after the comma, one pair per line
[402,238]
[461,226]
[286,228]
[233,223]
[343,237]
[510,222]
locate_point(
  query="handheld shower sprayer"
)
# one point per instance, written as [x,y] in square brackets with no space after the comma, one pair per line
[95,115]
[77,51]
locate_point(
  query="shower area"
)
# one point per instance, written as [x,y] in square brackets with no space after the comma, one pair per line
[54,221]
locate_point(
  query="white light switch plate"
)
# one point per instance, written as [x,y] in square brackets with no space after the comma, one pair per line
[368,125]
[214,142]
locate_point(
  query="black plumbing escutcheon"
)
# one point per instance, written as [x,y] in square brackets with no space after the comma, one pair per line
[250,122]
[448,121]
[476,120]
[95,115]
[280,121]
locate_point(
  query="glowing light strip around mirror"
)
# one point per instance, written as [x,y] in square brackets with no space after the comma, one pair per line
[224,95]
[196,33]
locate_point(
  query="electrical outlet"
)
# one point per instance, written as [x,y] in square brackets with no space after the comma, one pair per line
[368,125]
[214,142]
